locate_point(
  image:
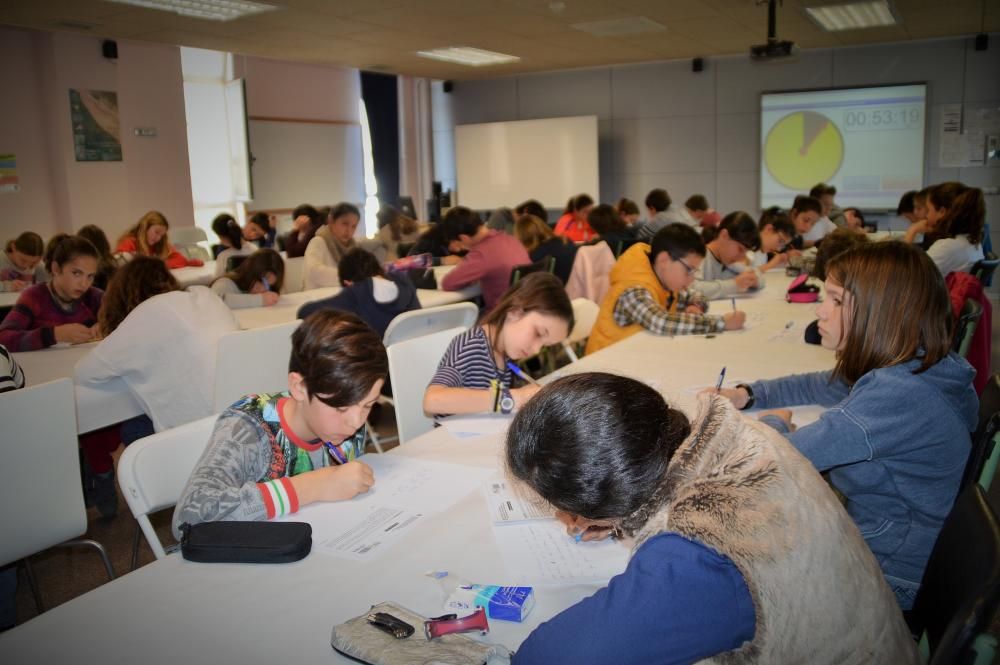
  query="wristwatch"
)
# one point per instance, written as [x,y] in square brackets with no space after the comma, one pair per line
[750,398]
[506,400]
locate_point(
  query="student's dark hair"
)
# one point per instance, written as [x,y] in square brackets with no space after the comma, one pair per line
[358,265]
[806,204]
[627,207]
[822,189]
[29,243]
[596,445]
[965,210]
[535,292]
[898,308]
[261,220]
[741,228]
[697,202]
[677,240]
[532,207]
[133,284]
[398,223]
[315,217]
[254,267]
[577,203]
[857,213]
[106,263]
[341,209]
[658,200]
[778,219]
[63,248]
[460,221]
[604,219]
[339,357]
[835,244]
[906,202]
[225,226]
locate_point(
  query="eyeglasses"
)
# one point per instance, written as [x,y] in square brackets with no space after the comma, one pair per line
[689,269]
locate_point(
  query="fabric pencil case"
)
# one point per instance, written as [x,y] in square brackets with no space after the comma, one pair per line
[358,639]
[246,542]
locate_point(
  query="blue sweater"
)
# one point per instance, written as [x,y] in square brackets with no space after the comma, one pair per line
[895,445]
[358,298]
[677,602]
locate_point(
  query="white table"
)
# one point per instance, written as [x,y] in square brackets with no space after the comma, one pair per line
[195,276]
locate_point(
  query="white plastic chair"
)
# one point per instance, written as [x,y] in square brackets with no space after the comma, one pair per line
[585,313]
[412,364]
[294,273]
[41,497]
[152,473]
[187,235]
[429,320]
[252,361]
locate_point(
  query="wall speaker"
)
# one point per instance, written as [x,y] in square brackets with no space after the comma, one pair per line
[109,48]
[982,41]
[448,86]
[697,64]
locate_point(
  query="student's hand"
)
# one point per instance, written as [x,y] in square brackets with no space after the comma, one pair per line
[734,320]
[523,394]
[95,331]
[19,285]
[300,222]
[591,529]
[451,259]
[738,396]
[694,309]
[337,483]
[73,333]
[783,414]
[269,298]
[746,280]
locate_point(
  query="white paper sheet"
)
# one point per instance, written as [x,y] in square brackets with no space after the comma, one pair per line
[405,491]
[791,332]
[472,426]
[510,502]
[540,553]
[730,382]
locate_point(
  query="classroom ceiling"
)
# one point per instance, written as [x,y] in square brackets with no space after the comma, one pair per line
[384,35]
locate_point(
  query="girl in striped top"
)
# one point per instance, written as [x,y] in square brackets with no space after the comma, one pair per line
[474,375]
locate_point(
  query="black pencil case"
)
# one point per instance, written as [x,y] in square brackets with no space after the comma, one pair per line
[246,542]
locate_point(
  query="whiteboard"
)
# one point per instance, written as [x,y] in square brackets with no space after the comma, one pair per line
[504,163]
[305,162]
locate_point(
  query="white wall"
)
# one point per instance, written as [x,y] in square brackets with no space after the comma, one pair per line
[662,125]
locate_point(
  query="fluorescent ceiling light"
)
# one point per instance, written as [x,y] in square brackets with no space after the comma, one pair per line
[467,55]
[853,16]
[212,10]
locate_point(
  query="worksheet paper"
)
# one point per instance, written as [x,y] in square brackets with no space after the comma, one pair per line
[541,553]
[510,501]
[406,491]
[472,426]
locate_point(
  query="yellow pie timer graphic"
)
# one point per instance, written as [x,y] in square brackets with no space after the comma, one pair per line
[803,148]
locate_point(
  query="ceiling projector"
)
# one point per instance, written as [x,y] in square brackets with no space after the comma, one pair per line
[773,50]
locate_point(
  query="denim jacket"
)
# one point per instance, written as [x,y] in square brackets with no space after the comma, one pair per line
[895,445]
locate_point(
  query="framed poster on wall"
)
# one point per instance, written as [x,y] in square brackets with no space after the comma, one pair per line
[96,135]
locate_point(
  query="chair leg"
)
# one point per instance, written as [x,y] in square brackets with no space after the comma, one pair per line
[100,550]
[29,572]
[570,352]
[374,438]
[135,546]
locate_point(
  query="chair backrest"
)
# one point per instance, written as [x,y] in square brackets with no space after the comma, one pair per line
[294,272]
[965,328]
[984,269]
[590,276]
[252,361]
[193,251]
[187,235]
[41,497]
[412,364]
[419,322]
[152,471]
[960,591]
[547,264]
[585,313]
[984,455]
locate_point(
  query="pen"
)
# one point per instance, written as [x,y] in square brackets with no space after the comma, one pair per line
[733,301]
[722,377]
[520,372]
[336,453]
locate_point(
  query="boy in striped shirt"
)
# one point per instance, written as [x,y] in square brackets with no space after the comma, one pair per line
[270,454]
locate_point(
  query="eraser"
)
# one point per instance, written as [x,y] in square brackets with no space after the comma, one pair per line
[507,603]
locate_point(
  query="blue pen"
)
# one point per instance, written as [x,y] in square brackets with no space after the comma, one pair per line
[722,377]
[520,372]
[578,537]
[336,453]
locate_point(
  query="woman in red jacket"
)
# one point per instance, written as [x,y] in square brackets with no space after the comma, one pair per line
[149,238]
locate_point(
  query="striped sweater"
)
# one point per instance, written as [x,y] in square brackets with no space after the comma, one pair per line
[30,326]
[468,363]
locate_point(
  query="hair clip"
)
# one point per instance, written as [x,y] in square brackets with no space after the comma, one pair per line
[440,626]
[390,624]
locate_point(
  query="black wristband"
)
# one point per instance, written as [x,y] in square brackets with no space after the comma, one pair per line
[750,398]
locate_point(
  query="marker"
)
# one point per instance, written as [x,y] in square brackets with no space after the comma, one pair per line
[520,372]
[722,377]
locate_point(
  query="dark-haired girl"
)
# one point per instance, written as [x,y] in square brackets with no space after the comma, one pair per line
[256,282]
[474,376]
[231,242]
[957,214]
[106,263]
[886,315]
[65,308]
[21,262]
[270,454]
[329,245]
[260,230]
